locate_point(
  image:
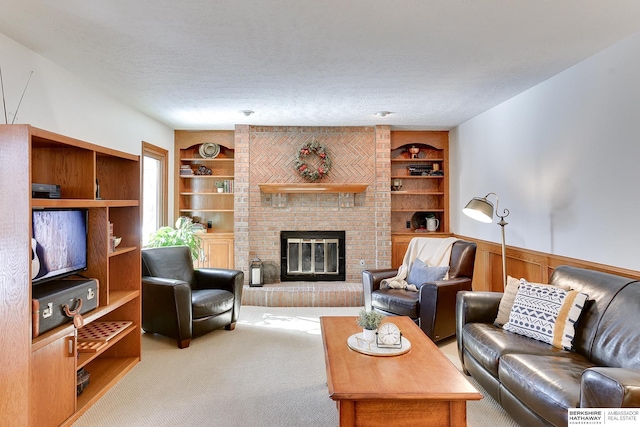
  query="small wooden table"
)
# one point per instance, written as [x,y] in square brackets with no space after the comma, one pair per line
[418,388]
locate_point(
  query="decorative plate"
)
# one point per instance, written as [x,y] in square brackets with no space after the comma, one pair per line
[419,219]
[209,150]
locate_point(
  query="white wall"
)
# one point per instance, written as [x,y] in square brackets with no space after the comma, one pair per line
[60,102]
[563,157]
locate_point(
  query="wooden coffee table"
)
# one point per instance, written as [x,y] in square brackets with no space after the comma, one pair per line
[419,388]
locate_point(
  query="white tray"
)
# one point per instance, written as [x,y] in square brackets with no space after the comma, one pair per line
[358,343]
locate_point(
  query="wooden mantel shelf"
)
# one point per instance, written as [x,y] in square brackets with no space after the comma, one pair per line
[312,188]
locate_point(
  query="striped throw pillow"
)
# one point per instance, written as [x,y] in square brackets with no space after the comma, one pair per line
[546,313]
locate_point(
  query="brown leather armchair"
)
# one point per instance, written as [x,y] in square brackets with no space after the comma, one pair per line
[181,302]
[433,307]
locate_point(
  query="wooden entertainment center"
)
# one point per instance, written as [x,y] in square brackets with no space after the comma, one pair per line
[38,375]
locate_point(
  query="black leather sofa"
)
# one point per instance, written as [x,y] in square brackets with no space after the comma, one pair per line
[535,382]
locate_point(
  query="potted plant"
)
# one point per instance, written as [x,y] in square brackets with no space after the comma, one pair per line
[183,235]
[220,186]
[369,321]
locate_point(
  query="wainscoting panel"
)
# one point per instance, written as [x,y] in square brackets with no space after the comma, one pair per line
[532,265]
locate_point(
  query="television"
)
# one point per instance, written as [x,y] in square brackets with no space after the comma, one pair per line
[58,243]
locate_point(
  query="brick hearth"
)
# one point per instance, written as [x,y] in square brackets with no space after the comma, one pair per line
[305,294]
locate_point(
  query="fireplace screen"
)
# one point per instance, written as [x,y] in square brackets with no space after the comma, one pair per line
[312,255]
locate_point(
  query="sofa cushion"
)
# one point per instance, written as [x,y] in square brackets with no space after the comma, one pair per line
[169,261]
[546,313]
[546,384]
[618,328]
[421,273]
[602,288]
[396,301]
[488,343]
[210,302]
[506,303]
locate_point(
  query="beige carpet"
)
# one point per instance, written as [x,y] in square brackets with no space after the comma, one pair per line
[269,371]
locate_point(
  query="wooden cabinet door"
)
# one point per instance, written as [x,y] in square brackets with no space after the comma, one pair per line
[399,249]
[53,382]
[217,252]
[399,246]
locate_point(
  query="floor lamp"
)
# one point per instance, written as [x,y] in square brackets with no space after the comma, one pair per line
[481,209]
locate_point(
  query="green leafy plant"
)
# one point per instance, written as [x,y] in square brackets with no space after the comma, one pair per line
[369,319]
[183,235]
[219,184]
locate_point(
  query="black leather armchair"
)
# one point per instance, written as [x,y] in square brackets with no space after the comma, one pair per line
[433,307]
[181,302]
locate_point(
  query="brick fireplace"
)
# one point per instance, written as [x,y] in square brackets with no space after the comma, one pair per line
[359,155]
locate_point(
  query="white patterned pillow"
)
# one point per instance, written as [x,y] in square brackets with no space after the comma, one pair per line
[509,296]
[546,313]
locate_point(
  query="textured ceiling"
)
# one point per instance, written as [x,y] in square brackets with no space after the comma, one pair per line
[195,64]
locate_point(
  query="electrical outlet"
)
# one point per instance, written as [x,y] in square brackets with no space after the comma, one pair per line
[408,224]
[362,263]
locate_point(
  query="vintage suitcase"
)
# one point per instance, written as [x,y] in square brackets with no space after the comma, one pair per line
[57,302]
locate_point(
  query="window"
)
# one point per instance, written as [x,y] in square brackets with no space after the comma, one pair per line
[154,189]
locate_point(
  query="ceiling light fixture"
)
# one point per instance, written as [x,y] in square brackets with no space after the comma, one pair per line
[247,112]
[383,113]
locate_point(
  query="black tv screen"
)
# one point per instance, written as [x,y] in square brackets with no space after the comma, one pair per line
[59,243]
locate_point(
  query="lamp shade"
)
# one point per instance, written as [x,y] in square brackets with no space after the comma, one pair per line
[480,209]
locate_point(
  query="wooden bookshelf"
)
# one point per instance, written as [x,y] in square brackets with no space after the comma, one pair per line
[197,197]
[420,195]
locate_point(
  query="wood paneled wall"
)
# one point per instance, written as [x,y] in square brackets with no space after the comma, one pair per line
[532,265]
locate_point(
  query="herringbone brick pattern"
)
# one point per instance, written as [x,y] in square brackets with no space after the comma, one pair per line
[273,156]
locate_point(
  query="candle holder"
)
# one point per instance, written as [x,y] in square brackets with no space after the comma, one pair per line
[255,271]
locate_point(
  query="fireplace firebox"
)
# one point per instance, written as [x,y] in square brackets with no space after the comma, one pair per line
[312,256]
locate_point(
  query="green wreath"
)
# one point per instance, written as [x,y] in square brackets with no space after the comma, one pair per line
[307,171]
